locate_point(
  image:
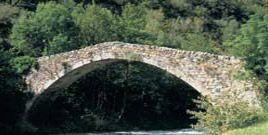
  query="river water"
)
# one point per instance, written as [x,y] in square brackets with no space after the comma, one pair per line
[172,132]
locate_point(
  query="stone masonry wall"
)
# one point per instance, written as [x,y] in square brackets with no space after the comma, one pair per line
[207,73]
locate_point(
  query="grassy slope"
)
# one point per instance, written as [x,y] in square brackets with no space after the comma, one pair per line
[256,129]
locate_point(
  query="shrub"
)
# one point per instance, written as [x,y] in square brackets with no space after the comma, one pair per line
[228,111]
[22,64]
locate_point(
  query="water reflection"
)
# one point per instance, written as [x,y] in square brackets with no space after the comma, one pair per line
[173,132]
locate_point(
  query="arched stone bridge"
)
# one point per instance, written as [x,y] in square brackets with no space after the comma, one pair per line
[209,74]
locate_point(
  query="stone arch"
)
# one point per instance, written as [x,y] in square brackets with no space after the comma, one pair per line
[209,74]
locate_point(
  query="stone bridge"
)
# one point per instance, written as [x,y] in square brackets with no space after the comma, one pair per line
[209,74]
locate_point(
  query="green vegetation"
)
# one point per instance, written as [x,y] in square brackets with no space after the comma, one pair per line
[97,24]
[251,42]
[224,115]
[259,128]
[34,28]
[49,30]
[105,100]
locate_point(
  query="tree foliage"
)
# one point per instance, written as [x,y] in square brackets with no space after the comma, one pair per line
[105,100]
[11,97]
[47,31]
[97,24]
[34,28]
[251,42]
[8,15]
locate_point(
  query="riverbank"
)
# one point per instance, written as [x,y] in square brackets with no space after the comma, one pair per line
[259,128]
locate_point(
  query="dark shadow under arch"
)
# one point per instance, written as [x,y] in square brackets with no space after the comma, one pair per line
[167,84]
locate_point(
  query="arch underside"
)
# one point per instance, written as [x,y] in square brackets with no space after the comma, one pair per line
[72,72]
[70,77]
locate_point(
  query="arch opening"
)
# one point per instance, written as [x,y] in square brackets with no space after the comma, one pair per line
[71,73]
[121,94]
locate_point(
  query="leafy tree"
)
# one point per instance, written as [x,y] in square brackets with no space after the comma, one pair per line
[138,24]
[8,15]
[251,42]
[47,31]
[97,24]
[132,24]
[229,28]
[11,97]
[198,42]
[22,64]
